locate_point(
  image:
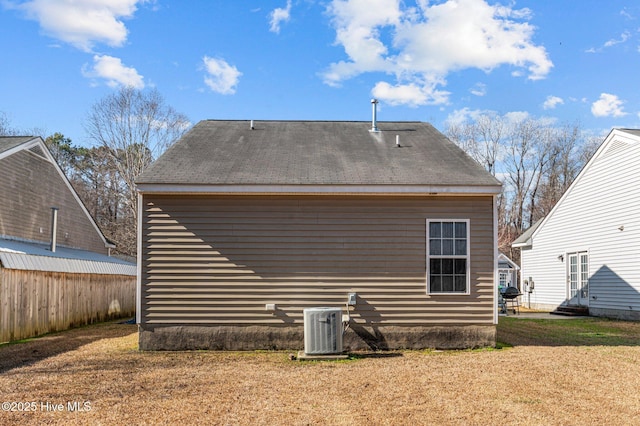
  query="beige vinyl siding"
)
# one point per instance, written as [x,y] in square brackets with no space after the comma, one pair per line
[218,260]
[29,186]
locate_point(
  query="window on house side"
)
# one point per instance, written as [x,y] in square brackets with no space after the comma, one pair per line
[447,256]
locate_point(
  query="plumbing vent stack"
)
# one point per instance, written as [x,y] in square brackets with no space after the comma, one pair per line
[398,141]
[252,125]
[54,227]
[374,120]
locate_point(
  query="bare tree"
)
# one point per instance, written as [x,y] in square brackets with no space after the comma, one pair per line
[536,162]
[135,127]
[7,129]
[481,139]
[562,168]
[5,125]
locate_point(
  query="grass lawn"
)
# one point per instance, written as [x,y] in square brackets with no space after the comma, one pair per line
[569,372]
[568,332]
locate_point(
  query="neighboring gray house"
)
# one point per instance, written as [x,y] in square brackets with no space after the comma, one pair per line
[50,284]
[586,251]
[243,225]
[507,272]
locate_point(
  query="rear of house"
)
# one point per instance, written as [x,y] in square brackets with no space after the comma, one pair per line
[244,225]
[585,252]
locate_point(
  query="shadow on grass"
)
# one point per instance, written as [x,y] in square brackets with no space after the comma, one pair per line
[29,351]
[364,355]
[576,332]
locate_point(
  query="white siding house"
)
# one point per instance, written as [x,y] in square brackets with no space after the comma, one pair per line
[586,252]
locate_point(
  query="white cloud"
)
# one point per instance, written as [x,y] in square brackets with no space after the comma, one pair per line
[612,42]
[411,94]
[278,16]
[427,42]
[551,102]
[82,23]
[516,116]
[626,14]
[608,106]
[112,70]
[479,89]
[623,37]
[221,77]
[465,114]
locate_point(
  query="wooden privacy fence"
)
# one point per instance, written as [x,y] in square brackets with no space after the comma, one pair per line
[37,302]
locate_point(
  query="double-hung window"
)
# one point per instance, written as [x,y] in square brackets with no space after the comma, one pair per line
[447,256]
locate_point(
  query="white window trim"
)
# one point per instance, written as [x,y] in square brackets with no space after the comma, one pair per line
[467,257]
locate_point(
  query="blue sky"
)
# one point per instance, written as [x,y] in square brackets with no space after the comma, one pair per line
[437,61]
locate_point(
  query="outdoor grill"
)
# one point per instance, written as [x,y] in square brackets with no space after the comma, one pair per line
[510,296]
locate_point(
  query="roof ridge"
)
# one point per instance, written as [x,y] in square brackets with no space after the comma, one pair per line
[312,121]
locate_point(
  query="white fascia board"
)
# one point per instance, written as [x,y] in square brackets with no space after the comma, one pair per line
[520,245]
[504,257]
[24,145]
[319,189]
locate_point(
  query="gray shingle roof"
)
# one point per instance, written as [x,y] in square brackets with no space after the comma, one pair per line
[525,238]
[315,153]
[9,142]
[635,132]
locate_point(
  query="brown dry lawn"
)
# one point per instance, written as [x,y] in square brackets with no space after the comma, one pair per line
[587,373]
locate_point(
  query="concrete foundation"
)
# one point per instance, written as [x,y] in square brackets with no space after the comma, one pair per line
[356,338]
[619,314]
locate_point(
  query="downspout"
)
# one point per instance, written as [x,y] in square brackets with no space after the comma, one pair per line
[139,261]
[54,228]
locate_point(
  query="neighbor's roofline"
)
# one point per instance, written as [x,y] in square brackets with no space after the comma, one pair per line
[526,239]
[290,189]
[38,141]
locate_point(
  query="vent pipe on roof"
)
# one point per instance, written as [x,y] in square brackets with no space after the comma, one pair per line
[374,111]
[398,141]
[54,228]
[252,125]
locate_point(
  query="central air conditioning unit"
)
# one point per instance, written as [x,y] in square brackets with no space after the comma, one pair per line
[322,331]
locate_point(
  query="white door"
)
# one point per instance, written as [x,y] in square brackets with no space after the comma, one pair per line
[578,277]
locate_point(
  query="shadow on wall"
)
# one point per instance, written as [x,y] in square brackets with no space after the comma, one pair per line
[369,332]
[613,297]
[609,296]
[293,255]
[293,252]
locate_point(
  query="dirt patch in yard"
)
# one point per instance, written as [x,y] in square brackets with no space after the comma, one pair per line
[96,375]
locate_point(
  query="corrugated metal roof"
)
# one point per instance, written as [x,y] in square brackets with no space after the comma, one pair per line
[37,257]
